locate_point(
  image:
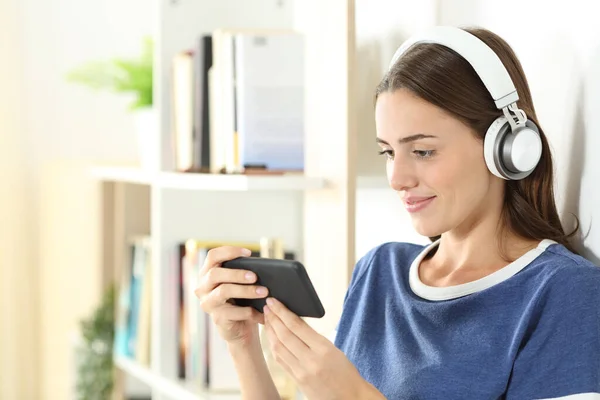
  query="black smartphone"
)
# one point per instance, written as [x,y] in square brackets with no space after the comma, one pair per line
[286,280]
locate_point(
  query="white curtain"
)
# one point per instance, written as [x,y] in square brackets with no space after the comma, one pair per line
[18,247]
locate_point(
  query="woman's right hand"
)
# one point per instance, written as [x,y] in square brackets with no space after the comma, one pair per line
[237,325]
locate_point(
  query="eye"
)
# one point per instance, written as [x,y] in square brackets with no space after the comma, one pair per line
[388,154]
[424,153]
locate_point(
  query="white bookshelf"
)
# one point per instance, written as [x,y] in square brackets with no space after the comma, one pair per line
[169,387]
[313,213]
[209,182]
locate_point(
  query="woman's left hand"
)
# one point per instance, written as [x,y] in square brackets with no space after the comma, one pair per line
[321,370]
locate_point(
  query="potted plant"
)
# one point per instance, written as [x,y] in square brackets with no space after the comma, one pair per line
[94,351]
[130,76]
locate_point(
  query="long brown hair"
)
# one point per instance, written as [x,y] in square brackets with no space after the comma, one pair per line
[442,77]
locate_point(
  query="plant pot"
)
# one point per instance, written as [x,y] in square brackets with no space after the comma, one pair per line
[146,127]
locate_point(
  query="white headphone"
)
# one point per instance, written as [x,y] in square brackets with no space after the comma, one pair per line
[512,144]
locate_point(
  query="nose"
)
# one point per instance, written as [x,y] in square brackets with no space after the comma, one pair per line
[400,174]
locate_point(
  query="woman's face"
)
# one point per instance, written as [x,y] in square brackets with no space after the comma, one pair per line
[435,162]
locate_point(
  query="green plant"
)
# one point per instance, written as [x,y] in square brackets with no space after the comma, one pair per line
[120,76]
[95,356]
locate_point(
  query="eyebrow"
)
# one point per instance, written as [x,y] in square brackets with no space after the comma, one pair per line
[408,139]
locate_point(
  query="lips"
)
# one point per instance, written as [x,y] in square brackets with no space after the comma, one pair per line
[414,204]
[417,200]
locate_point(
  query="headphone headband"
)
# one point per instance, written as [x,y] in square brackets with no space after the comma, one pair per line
[484,60]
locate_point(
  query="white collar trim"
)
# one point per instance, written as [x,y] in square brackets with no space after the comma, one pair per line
[453,292]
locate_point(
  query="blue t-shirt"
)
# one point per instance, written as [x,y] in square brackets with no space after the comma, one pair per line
[528,331]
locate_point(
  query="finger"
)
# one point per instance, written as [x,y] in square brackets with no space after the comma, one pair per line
[294,323]
[218,255]
[281,353]
[226,291]
[286,336]
[235,313]
[216,276]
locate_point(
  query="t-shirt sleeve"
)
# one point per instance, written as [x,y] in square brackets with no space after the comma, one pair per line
[360,268]
[560,354]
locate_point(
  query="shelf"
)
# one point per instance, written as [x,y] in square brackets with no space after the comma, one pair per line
[217,182]
[168,387]
[372,182]
[123,174]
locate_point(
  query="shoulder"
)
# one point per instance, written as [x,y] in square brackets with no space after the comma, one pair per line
[558,354]
[374,272]
[570,266]
[397,254]
[571,279]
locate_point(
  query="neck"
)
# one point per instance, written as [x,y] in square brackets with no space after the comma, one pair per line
[478,243]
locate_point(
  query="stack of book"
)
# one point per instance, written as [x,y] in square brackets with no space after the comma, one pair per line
[203,357]
[238,103]
[133,317]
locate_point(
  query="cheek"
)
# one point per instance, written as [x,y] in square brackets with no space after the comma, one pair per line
[462,178]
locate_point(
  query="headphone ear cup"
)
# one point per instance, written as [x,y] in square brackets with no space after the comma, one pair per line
[522,150]
[512,156]
[491,146]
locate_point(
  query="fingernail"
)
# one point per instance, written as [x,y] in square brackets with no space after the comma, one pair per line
[266,309]
[270,301]
[246,252]
[261,290]
[249,276]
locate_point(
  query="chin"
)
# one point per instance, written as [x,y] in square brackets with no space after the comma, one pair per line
[428,230]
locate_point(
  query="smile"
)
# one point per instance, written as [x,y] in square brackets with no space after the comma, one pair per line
[415,206]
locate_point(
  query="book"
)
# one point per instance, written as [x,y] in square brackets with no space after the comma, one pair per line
[183,140]
[269,101]
[133,314]
[202,64]
[144,321]
[256,94]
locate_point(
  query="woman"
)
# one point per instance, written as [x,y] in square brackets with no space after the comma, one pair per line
[499,305]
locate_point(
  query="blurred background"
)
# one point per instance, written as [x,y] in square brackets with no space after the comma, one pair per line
[70,163]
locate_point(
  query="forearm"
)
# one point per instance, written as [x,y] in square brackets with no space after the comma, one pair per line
[255,379]
[368,392]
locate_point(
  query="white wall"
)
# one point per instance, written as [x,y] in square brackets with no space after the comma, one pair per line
[558,44]
[18,291]
[68,122]
[72,121]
